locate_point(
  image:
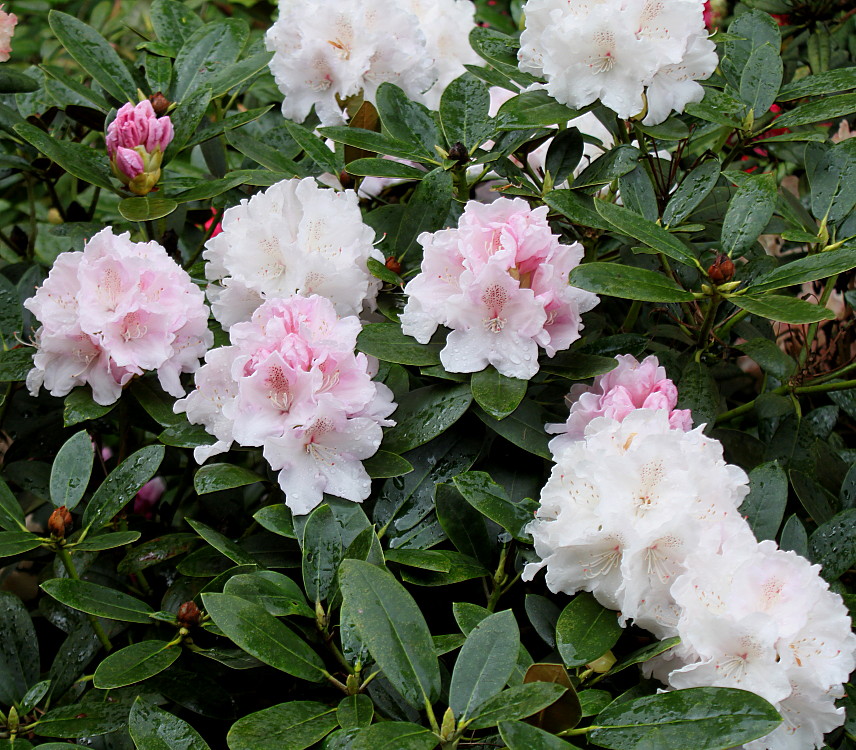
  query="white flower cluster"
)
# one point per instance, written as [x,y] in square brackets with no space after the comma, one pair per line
[324,54]
[615,50]
[645,516]
[293,238]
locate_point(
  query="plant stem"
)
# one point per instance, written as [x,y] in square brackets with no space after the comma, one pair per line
[63,554]
[812,329]
[576,731]
[707,325]
[459,178]
[498,579]
[800,389]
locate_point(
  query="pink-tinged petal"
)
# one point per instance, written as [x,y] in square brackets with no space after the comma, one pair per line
[129,162]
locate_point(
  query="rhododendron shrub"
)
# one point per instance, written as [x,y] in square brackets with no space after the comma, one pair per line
[409,375]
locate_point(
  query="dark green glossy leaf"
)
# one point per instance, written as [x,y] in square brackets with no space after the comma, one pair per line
[490,499]
[638,195]
[464,109]
[420,558]
[278,519]
[576,206]
[764,507]
[698,393]
[810,268]
[770,357]
[371,167]
[519,736]
[134,664]
[705,718]
[79,407]
[101,542]
[384,464]
[217,477]
[19,649]
[146,207]
[459,568]
[387,342]
[152,728]
[749,211]
[401,735]
[71,469]
[156,551]
[564,154]
[173,22]
[185,119]
[82,720]
[642,655]
[517,702]
[426,211]
[322,552]
[266,155]
[222,544]
[393,629]
[761,78]
[405,120]
[827,82]
[98,600]
[578,366]
[17,542]
[287,726]
[694,188]
[585,631]
[464,525]
[238,73]
[784,309]
[369,140]
[820,110]
[524,427]
[533,109]
[261,635]
[652,234]
[355,711]
[628,282]
[206,52]
[11,513]
[185,435]
[15,364]
[425,413]
[833,544]
[277,593]
[608,167]
[497,394]
[15,82]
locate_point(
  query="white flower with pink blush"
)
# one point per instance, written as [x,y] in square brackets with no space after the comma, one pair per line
[500,282]
[113,311]
[291,384]
[7,30]
[631,385]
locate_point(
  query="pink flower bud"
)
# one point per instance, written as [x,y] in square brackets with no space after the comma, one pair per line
[128,162]
[138,126]
[7,29]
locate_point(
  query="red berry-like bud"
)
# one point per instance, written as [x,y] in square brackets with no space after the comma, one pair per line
[346,180]
[721,270]
[393,265]
[459,153]
[160,104]
[188,615]
[60,522]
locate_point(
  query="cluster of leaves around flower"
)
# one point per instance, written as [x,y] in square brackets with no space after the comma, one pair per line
[402,623]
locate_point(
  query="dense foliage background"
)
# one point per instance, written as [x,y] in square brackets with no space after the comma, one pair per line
[208,616]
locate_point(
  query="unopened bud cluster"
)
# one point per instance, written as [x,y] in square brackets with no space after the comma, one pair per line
[136,140]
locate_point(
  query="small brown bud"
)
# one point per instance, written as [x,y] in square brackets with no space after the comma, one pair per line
[459,153]
[60,522]
[188,615]
[345,179]
[392,264]
[160,104]
[721,270]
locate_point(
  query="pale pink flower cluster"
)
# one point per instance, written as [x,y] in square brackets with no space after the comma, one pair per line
[291,384]
[634,55]
[7,31]
[136,140]
[113,311]
[644,514]
[631,385]
[500,282]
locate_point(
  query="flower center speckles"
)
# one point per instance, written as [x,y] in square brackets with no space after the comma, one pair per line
[494,299]
[604,61]
[132,328]
[280,390]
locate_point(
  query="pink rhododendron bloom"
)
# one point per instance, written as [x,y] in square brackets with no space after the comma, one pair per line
[291,384]
[113,311]
[631,385]
[500,281]
[7,30]
[147,498]
[136,140]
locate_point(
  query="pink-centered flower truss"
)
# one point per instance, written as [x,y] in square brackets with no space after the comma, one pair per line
[500,282]
[291,384]
[631,385]
[113,311]
[136,140]
[7,30]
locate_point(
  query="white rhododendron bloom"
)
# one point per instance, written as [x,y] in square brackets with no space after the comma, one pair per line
[293,238]
[292,384]
[114,311]
[500,282]
[643,513]
[616,49]
[325,54]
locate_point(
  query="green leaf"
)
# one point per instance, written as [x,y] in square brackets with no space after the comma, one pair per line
[517,702]
[693,189]
[500,50]
[463,524]
[121,485]
[405,120]
[485,663]
[11,513]
[217,477]
[533,109]
[355,711]
[393,629]
[642,655]
[71,470]
[222,544]
[794,537]
[833,544]
[260,152]
[369,140]
[107,541]
[15,364]
[832,178]
[764,507]
[261,635]
[185,435]
[152,728]
[770,357]
[420,558]
[426,211]
[761,78]
[698,392]
[491,500]
[820,110]
[185,119]
[173,22]
[628,282]
[387,342]
[209,50]
[781,308]
[385,168]
[464,114]
[15,82]
[80,407]
[576,206]
[75,158]
[157,551]
[384,464]
[459,568]
[401,735]
[564,154]
[238,73]
[314,147]
[287,726]
[134,664]
[82,720]
[810,268]
[704,718]
[278,519]
[828,82]
[425,413]
[646,231]
[95,55]
[585,631]
[19,649]
[146,207]
[277,593]
[97,600]
[749,211]
[322,552]
[637,195]
[575,365]
[672,129]
[211,130]
[608,167]
[524,427]
[17,542]
[497,394]
[519,736]
[593,701]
